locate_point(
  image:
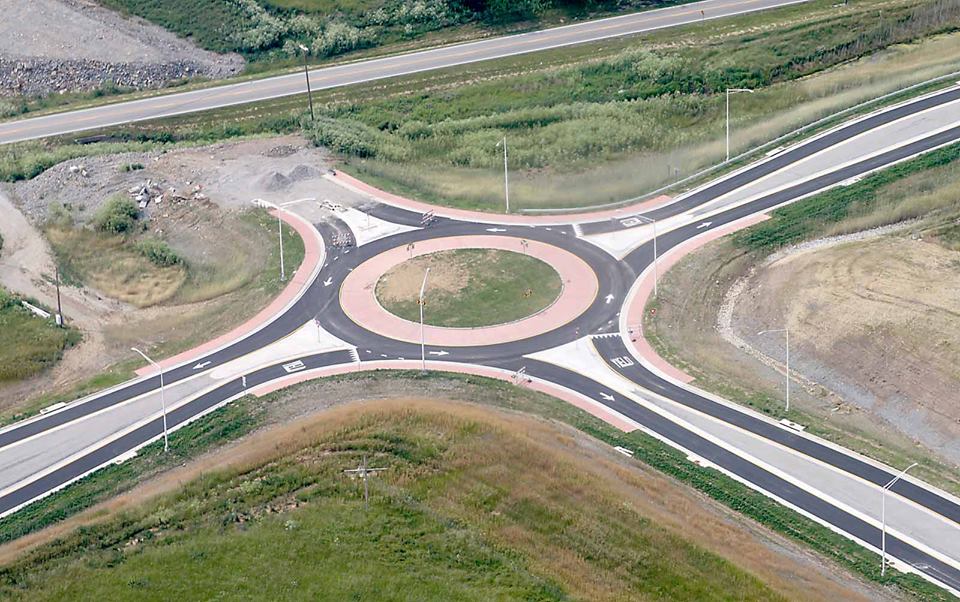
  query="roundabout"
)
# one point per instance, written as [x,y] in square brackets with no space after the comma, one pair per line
[571,276]
[575,345]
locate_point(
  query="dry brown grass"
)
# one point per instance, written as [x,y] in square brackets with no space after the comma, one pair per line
[111,266]
[608,501]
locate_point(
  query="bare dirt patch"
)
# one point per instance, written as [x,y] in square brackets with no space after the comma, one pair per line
[876,321]
[66,45]
[447,275]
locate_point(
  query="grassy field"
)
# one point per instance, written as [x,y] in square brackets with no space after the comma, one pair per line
[630,117]
[28,344]
[109,527]
[470,287]
[442,523]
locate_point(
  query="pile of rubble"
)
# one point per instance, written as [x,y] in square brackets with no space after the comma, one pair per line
[154,192]
[41,76]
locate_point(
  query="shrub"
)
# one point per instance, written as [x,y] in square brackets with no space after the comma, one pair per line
[132,167]
[339,37]
[158,252]
[117,216]
[344,136]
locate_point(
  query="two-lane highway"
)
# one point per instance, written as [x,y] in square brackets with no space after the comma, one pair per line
[374,69]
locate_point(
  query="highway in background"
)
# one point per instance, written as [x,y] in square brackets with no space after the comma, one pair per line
[373,69]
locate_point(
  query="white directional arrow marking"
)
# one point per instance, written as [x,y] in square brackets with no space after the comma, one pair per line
[328,281]
[441,352]
[202,365]
[704,225]
[609,298]
[496,229]
[607,396]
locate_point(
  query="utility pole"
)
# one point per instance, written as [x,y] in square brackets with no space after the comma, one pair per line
[59,319]
[883,518]
[506,176]
[306,74]
[163,402]
[363,471]
[729,91]
[786,331]
[421,301]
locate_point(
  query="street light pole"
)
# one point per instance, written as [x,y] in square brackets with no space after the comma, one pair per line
[786,332]
[656,275]
[260,203]
[420,302]
[733,90]
[306,74]
[163,401]
[883,518]
[506,177]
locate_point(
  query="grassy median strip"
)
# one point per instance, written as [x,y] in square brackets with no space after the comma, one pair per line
[245,415]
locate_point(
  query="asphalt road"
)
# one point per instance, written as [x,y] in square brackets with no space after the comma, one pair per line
[614,277]
[374,69]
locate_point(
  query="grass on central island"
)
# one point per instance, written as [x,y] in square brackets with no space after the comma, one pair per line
[470,287]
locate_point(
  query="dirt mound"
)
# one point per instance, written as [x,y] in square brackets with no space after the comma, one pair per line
[275,181]
[303,172]
[66,45]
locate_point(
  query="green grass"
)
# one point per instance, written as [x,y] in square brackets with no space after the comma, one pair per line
[271,30]
[115,375]
[29,344]
[293,515]
[809,217]
[470,287]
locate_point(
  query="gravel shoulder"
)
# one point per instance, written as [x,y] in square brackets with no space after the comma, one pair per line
[49,46]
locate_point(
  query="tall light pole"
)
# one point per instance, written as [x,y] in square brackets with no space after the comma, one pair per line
[786,331]
[163,401]
[729,91]
[306,74]
[506,177]
[261,202]
[656,275]
[420,302]
[883,518]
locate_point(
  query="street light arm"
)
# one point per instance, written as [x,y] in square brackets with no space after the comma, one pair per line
[423,287]
[144,356]
[899,476]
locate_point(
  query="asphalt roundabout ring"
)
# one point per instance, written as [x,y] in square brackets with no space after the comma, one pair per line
[359,302]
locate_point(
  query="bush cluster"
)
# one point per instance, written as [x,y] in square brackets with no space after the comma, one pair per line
[117,216]
[158,252]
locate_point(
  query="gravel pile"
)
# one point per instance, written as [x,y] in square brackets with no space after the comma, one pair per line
[39,77]
[51,46]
